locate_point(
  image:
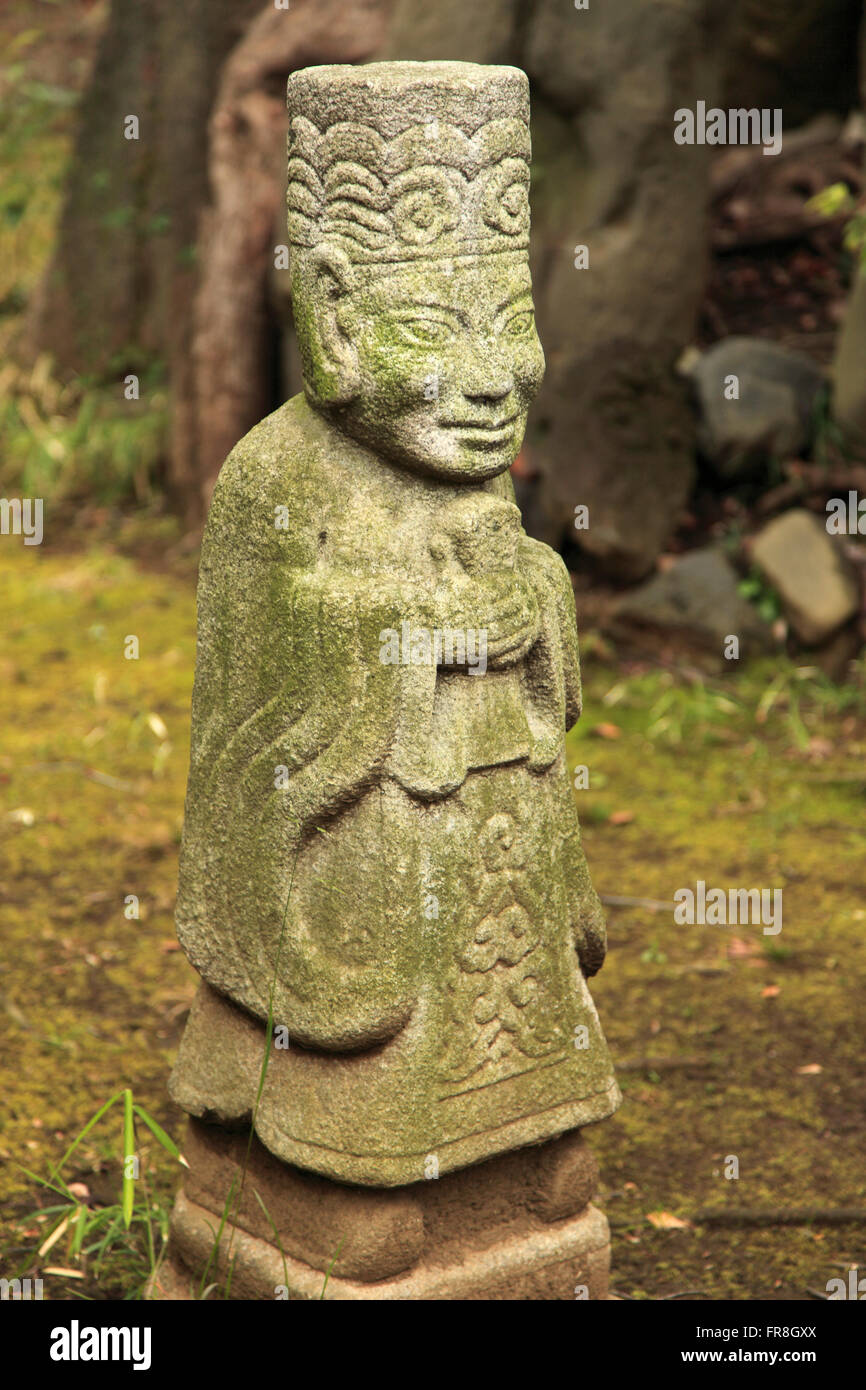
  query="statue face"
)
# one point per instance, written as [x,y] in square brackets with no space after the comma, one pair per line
[448,362]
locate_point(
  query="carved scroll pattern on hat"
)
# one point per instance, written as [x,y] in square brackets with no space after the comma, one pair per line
[431,190]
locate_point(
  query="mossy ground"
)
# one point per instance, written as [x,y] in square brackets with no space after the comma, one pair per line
[724,783]
[736,786]
[88,994]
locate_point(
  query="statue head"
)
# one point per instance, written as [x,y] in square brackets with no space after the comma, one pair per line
[408,220]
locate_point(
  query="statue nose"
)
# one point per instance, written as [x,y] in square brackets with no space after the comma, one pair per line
[488,385]
[490,391]
[488,375]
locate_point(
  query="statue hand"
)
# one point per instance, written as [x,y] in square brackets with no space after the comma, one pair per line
[501,604]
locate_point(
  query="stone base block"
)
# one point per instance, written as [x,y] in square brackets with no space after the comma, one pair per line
[569,1260]
[518,1227]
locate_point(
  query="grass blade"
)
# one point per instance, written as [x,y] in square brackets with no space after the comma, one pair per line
[128,1198]
[331,1266]
[54,1237]
[277,1242]
[80,1228]
[159,1134]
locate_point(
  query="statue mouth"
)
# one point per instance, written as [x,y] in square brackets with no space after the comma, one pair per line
[480,424]
[487,432]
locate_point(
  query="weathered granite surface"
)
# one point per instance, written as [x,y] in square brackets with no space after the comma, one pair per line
[568,1261]
[381,851]
[520,1226]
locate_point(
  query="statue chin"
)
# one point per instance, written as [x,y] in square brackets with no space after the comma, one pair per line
[458,467]
[457,455]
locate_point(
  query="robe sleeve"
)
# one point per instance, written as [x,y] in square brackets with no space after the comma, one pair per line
[294,715]
[554,685]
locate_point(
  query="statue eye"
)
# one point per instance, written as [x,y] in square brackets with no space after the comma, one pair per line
[520,324]
[424,332]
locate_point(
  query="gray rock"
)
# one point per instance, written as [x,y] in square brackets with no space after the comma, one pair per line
[698,601]
[815,582]
[615,430]
[773,415]
[612,428]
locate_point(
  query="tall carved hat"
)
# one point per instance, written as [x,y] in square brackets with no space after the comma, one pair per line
[409,161]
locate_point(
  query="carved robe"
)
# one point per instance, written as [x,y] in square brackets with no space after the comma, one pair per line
[384,856]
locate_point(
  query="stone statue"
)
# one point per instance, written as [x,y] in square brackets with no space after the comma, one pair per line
[381,852]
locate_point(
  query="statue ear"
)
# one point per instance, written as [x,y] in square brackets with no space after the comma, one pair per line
[330,278]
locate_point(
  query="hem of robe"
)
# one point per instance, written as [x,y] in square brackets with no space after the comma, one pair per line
[216,1079]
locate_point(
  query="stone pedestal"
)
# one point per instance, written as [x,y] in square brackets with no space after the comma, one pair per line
[520,1226]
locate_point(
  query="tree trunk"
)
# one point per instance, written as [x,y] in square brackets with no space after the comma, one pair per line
[118,290]
[233,378]
[166,242]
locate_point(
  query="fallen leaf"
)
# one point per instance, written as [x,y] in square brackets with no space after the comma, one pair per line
[770,991]
[738,947]
[608,731]
[812,1069]
[666,1221]
[621,817]
[818,749]
[80,1190]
